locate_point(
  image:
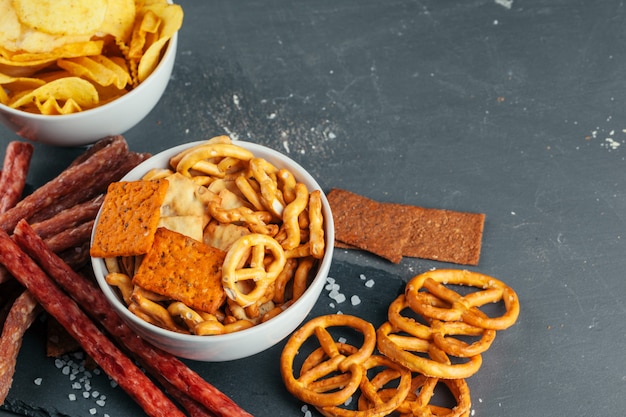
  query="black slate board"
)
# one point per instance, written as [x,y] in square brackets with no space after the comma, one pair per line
[513,109]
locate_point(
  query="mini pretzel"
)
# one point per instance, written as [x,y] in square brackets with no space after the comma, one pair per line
[401,349]
[316,224]
[262,275]
[463,308]
[261,170]
[417,403]
[348,366]
[377,399]
[208,151]
[438,331]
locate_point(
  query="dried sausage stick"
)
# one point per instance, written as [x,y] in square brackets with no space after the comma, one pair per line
[69,217]
[92,186]
[14,171]
[21,316]
[117,365]
[71,180]
[153,359]
[71,237]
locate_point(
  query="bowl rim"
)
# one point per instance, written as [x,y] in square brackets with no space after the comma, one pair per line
[172,46]
[329,236]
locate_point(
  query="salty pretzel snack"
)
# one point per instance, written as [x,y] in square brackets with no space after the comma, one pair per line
[433,351]
[234,241]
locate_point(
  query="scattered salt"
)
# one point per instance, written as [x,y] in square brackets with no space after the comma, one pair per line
[369,283]
[38,381]
[72,397]
[355,300]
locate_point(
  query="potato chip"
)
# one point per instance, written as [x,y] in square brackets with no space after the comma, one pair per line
[62,17]
[99,69]
[19,83]
[52,107]
[112,44]
[77,89]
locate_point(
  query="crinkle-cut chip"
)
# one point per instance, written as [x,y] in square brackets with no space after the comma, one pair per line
[222,236]
[190,226]
[98,69]
[186,198]
[52,107]
[129,218]
[149,23]
[183,269]
[62,17]
[75,88]
[171,16]
[119,19]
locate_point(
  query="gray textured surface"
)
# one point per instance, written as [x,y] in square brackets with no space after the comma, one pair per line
[516,112]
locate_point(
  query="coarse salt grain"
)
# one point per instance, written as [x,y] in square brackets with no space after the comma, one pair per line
[38,381]
[93,411]
[369,283]
[72,397]
[355,300]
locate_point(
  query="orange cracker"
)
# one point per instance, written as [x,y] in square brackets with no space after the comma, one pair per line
[183,269]
[129,218]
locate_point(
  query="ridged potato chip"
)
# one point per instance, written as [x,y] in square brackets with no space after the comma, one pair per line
[111,44]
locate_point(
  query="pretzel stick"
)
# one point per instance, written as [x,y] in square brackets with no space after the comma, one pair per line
[21,315]
[13,176]
[117,365]
[153,359]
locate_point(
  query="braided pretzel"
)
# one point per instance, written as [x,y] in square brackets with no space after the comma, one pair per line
[463,308]
[312,386]
[438,330]
[400,348]
[262,275]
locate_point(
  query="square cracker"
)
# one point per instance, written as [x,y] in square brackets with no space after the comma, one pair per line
[183,269]
[129,218]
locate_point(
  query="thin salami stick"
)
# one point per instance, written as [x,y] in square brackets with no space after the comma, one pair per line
[117,365]
[71,237]
[69,217]
[155,360]
[14,171]
[92,186]
[71,180]
[22,314]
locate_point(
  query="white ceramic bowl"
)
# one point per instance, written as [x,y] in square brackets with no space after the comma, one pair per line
[243,343]
[88,126]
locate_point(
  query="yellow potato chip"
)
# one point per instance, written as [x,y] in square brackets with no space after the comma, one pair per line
[119,19]
[81,91]
[52,107]
[61,17]
[98,68]
[19,83]
[66,51]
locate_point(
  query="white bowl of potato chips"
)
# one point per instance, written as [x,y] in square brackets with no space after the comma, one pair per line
[74,72]
[214,250]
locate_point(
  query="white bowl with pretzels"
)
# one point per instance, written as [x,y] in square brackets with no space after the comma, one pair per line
[239,245]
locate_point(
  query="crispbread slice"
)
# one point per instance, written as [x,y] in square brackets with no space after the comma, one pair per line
[394,230]
[367,224]
[183,269]
[129,218]
[445,235]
